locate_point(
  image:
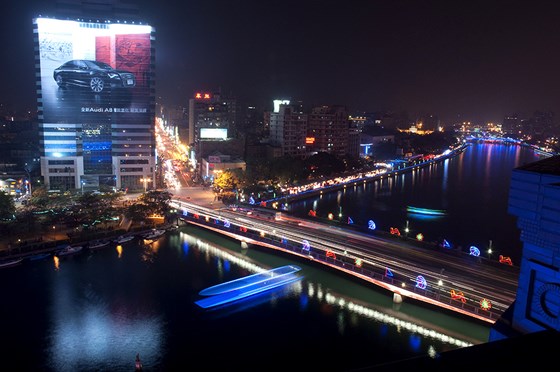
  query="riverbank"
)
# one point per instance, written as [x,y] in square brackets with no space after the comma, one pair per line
[318,188]
[35,241]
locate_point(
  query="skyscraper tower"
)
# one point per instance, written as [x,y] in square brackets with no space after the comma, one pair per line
[95,97]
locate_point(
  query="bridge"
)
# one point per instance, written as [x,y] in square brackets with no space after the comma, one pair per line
[468,285]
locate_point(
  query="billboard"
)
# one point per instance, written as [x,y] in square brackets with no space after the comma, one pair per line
[213,133]
[94,73]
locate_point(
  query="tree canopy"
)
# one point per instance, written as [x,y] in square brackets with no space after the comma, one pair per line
[7,207]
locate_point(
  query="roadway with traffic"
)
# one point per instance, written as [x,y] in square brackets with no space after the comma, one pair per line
[469,285]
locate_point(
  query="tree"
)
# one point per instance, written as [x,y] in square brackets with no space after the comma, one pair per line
[227,180]
[7,207]
[324,164]
[137,212]
[157,201]
[288,170]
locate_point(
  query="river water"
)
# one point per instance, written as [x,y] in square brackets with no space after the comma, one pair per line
[472,188]
[98,309]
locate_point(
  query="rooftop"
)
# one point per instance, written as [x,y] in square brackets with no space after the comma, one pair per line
[549,165]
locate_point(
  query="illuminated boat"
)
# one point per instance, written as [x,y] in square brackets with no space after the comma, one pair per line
[69,250]
[239,293]
[249,280]
[153,234]
[124,239]
[10,262]
[430,212]
[98,244]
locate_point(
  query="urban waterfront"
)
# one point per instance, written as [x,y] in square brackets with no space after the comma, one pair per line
[472,188]
[97,310]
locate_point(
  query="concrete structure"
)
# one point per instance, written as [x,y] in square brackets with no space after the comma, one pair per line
[535,199]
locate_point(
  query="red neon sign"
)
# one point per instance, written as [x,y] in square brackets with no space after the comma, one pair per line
[199,95]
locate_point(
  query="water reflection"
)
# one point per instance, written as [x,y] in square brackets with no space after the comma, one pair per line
[90,329]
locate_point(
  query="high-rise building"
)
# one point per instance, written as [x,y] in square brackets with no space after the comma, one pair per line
[329,127]
[96,97]
[211,118]
[287,128]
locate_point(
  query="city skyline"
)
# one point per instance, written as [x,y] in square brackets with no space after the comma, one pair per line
[470,61]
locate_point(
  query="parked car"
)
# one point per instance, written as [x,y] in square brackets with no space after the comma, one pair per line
[94,75]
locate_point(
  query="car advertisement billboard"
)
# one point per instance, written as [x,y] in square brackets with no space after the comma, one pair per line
[94,72]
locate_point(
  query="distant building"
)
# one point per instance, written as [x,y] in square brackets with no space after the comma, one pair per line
[212,165]
[211,118]
[372,137]
[328,129]
[95,96]
[288,129]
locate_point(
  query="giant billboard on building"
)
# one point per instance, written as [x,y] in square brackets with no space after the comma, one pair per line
[94,72]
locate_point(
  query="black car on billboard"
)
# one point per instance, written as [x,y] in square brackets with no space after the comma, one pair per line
[97,76]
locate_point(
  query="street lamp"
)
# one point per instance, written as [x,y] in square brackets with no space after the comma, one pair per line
[146,180]
[406,229]
[28,182]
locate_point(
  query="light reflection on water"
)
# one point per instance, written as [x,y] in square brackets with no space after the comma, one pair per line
[91,331]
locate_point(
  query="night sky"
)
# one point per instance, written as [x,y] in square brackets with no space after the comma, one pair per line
[459,60]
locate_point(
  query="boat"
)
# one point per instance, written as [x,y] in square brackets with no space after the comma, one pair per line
[10,262]
[249,280]
[154,234]
[39,256]
[97,244]
[69,250]
[426,211]
[251,285]
[124,239]
[237,292]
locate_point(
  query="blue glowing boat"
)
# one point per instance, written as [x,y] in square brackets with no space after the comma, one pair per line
[249,280]
[239,293]
[430,212]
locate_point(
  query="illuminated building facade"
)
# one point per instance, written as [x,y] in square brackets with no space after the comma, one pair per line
[96,102]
